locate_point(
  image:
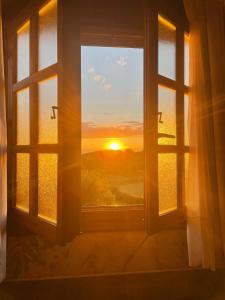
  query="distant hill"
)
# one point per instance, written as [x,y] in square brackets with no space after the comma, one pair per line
[121,162]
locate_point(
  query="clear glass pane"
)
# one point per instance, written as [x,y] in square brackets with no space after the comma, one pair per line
[47,186]
[167,48]
[22,181]
[48,35]
[23,117]
[167,174]
[48,111]
[186,175]
[23,51]
[186,120]
[186,58]
[167,116]
[112,126]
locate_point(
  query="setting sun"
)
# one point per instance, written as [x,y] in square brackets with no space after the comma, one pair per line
[114,145]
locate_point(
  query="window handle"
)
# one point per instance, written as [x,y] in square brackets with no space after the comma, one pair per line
[160,117]
[53,116]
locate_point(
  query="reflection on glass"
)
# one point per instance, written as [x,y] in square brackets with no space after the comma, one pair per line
[186,175]
[47,186]
[48,111]
[112,126]
[167,48]
[186,120]
[167,175]
[167,116]
[48,35]
[23,117]
[22,181]
[23,51]
[186,58]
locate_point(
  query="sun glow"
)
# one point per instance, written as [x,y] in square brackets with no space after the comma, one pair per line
[114,145]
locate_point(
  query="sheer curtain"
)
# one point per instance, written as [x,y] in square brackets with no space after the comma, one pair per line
[3,162]
[206,199]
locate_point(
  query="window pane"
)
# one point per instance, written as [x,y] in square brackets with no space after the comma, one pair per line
[186,58]
[47,186]
[23,117]
[167,48]
[167,116]
[23,51]
[186,120]
[112,126]
[186,173]
[167,174]
[48,35]
[48,115]
[22,181]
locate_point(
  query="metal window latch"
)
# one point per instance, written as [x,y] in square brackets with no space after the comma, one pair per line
[160,117]
[53,116]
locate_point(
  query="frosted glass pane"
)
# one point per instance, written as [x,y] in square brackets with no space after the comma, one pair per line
[167,116]
[186,58]
[47,186]
[167,49]
[48,114]
[167,174]
[23,117]
[186,173]
[186,120]
[23,51]
[48,35]
[22,181]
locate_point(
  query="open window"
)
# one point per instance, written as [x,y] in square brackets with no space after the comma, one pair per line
[44,99]
[159,176]
[112,137]
[98,138]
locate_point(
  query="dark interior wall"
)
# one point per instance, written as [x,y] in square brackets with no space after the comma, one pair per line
[107,14]
[12,7]
[125,15]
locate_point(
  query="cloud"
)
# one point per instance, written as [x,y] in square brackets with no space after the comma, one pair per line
[91,70]
[103,80]
[107,86]
[122,61]
[97,77]
[107,113]
[132,123]
[92,130]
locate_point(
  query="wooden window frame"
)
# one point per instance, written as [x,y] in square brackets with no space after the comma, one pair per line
[71,218]
[147,216]
[67,223]
[107,218]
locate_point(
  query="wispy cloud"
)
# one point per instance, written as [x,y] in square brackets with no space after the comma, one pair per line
[103,80]
[91,70]
[107,113]
[92,130]
[97,77]
[107,86]
[122,61]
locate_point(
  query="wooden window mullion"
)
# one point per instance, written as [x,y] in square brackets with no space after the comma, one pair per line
[33,114]
[180,113]
[151,116]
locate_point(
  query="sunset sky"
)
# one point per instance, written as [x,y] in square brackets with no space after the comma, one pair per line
[112,97]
